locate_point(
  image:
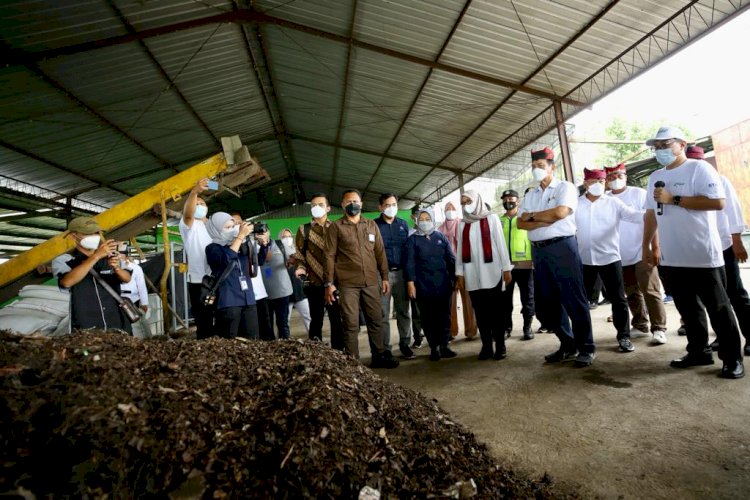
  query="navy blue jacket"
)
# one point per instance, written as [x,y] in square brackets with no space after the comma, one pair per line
[430,264]
[230,292]
[394,236]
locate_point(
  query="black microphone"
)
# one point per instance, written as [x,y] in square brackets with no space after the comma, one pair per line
[659,205]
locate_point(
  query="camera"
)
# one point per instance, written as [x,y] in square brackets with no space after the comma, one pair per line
[260,227]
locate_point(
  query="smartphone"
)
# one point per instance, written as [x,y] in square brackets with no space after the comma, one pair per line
[213,185]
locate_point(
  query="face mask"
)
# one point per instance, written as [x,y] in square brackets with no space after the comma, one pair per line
[287,242]
[617,184]
[509,205]
[200,211]
[90,242]
[231,233]
[470,207]
[353,209]
[539,174]
[596,189]
[426,226]
[451,215]
[390,212]
[317,212]
[665,157]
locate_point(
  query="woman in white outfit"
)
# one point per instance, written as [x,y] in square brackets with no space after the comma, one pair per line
[297,300]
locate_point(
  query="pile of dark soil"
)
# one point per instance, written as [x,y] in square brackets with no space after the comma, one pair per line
[103,414]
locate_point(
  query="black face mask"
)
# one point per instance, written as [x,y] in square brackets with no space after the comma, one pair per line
[509,205]
[353,209]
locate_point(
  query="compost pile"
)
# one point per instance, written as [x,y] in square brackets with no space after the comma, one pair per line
[103,414]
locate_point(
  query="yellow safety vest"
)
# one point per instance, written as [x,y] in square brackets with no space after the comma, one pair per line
[516,240]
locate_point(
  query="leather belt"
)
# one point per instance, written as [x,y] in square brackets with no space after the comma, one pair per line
[544,243]
[395,269]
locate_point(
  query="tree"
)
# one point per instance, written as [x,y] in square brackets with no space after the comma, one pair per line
[622,130]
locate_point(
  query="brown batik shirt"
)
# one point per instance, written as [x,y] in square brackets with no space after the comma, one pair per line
[355,254]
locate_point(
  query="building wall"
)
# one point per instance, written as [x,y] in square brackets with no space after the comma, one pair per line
[732,153]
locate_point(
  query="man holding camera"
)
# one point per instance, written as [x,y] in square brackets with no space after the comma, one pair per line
[311,242]
[91,306]
[355,255]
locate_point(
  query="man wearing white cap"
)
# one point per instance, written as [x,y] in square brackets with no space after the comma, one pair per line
[683,199]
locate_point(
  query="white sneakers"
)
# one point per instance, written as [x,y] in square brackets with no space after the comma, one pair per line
[660,337]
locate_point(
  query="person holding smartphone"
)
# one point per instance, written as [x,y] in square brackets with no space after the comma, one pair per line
[91,306]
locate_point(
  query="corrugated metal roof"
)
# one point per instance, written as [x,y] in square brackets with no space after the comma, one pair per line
[428,86]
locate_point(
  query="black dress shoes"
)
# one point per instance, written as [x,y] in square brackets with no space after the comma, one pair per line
[689,360]
[732,370]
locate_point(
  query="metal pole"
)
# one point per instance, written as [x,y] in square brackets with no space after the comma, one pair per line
[167,263]
[172,287]
[460,182]
[563,136]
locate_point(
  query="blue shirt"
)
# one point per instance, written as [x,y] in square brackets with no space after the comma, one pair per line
[394,236]
[230,293]
[430,264]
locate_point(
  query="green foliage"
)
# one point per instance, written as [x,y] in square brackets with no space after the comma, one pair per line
[622,130]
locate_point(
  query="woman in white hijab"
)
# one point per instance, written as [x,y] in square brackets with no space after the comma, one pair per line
[483,268]
[236,313]
[297,300]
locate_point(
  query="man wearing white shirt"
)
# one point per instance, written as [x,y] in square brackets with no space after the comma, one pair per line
[684,206]
[731,225]
[642,285]
[597,220]
[547,213]
[136,289]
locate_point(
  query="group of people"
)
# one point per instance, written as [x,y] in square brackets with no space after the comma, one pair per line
[554,244]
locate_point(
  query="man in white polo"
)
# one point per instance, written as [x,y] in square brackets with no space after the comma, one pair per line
[683,200]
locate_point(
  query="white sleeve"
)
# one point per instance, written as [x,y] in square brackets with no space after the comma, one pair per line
[60,265]
[567,196]
[459,244]
[503,250]
[140,282]
[523,209]
[650,202]
[627,213]
[707,182]
[733,208]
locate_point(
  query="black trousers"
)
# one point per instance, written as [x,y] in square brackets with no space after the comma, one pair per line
[437,324]
[491,325]
[738,296]
[525,280]
[700,290]
[611,277]
[265,329]
[280,309]
[416,321]
[316,298]
[241,321]
[203,316]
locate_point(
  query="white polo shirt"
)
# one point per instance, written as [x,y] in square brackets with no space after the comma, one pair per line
[730,220]
[631,233]
[688,238]
[556,194]
[598,225]
[195,240]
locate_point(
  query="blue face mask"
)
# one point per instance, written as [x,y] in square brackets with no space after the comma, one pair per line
[665,156]
[200,211]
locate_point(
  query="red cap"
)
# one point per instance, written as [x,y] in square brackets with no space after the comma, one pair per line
[543,154]
[617,168]
[593,174]
[695,152]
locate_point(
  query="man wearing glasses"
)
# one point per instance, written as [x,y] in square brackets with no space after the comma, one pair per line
[683,200]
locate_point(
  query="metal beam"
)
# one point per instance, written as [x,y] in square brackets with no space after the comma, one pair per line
[31,215]
[419,92]
[16,56]
[563,138]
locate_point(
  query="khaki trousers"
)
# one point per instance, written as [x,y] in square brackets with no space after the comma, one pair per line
[643,290]
[470,322]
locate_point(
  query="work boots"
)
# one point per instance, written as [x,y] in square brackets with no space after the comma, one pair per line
[527,333]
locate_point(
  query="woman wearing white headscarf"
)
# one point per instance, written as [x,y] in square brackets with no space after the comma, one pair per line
[429,276]
[297,300]
[236,314]
[483,268]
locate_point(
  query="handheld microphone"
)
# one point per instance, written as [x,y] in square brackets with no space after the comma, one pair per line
[659,205]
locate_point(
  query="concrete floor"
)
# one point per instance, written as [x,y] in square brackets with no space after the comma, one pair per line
[627,427]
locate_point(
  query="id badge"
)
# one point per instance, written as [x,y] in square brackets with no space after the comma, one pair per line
[243,283]
[371,237]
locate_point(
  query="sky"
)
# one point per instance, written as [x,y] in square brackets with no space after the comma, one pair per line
[705,87]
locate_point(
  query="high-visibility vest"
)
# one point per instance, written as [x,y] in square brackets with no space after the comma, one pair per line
[516,240]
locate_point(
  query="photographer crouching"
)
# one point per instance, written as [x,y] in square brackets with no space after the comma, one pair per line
[94,264]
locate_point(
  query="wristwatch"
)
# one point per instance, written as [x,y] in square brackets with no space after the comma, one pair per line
[327,284]
[531,216]
[677,200]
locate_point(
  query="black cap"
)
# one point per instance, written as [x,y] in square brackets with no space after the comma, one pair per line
[509,192]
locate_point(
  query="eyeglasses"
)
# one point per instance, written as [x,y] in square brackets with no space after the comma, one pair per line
[662,144]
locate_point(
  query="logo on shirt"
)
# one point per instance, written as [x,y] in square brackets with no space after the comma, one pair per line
[678,184]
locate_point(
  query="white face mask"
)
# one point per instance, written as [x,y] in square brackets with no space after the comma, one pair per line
[90,242]
[390,212]
[200,211]
[617,184]
[426,226]
[539,174]
[596,189]
[287,241]
[451,214]
[231,232]
[317,211]
[470,207]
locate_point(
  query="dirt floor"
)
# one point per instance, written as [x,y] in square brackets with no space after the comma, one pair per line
[630,426]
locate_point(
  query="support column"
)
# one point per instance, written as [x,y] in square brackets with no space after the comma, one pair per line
[564,148]
[460,183]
